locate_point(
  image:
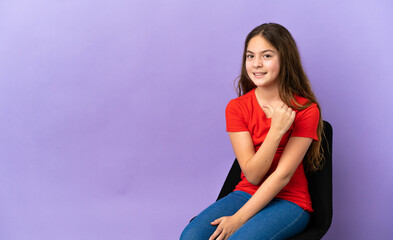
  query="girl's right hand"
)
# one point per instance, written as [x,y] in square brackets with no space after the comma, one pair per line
[282,118]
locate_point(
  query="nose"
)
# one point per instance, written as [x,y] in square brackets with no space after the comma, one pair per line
[257,63]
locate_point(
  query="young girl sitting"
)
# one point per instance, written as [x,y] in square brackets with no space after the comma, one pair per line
[275,129]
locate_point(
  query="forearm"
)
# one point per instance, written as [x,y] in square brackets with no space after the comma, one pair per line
[268,190]
[258,165]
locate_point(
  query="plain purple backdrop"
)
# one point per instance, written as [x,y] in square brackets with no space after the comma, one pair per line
[112,120]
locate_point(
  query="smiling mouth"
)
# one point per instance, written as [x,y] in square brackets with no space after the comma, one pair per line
[259,74]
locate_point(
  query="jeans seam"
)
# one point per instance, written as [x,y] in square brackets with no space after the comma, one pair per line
[288,225]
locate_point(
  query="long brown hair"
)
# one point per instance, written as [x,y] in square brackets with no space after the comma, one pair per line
[292,81]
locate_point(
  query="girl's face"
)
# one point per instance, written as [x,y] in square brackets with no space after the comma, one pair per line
[262,62]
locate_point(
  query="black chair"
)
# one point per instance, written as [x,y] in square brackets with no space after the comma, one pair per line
[320,188]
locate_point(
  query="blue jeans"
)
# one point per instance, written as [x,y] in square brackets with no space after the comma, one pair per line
[280,219]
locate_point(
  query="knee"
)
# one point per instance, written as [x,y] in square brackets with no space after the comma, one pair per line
[194,232]
[189,234]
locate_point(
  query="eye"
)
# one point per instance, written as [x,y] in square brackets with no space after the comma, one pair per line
[249,56]
[267,56]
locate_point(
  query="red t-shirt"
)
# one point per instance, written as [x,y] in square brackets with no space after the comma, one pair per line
[245,114]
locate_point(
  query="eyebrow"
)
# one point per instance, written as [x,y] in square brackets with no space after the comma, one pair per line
[267,50]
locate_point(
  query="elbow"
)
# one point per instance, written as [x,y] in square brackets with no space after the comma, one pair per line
[254,177]
[254,180]
[282,178]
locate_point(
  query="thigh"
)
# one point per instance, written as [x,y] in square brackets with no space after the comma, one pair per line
[280,219]
[200,228]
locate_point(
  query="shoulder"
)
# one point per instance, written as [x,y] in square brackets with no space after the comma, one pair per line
[301,100]
[240,107]
[304,101]
[311,112]
[306,120]
[243,101]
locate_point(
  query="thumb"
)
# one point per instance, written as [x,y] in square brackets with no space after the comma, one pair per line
[268,107]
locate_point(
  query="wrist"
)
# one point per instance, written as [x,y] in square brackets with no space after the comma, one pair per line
[275,134]
[240,217]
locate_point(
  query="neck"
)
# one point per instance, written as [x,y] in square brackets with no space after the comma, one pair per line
[268,95]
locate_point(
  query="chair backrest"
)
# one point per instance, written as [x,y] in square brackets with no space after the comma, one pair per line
[320,188]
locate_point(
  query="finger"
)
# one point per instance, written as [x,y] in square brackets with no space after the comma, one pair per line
[222,236]
[228,235]
[289,110]
[217,221]
[293,115]
[268,107]
[215,234]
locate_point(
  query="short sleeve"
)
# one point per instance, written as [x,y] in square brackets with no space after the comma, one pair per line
[306,123]
[235,117]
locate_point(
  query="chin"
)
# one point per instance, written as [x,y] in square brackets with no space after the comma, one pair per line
[263,84]
[260,83]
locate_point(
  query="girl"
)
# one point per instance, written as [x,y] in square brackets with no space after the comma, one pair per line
[273,125]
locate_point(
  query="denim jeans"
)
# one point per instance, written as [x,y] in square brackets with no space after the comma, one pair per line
[280,219]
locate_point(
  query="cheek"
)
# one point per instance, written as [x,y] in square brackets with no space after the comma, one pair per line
[275,67]
[248,66]
[248,71]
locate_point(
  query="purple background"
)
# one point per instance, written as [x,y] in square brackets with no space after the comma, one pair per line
[112,120]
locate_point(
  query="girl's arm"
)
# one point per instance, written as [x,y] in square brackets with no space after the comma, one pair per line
[294,152]
[255,165]
[292,156]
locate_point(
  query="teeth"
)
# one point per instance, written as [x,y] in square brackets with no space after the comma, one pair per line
[259,74]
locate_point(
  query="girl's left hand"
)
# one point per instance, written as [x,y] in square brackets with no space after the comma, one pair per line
[226,227]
